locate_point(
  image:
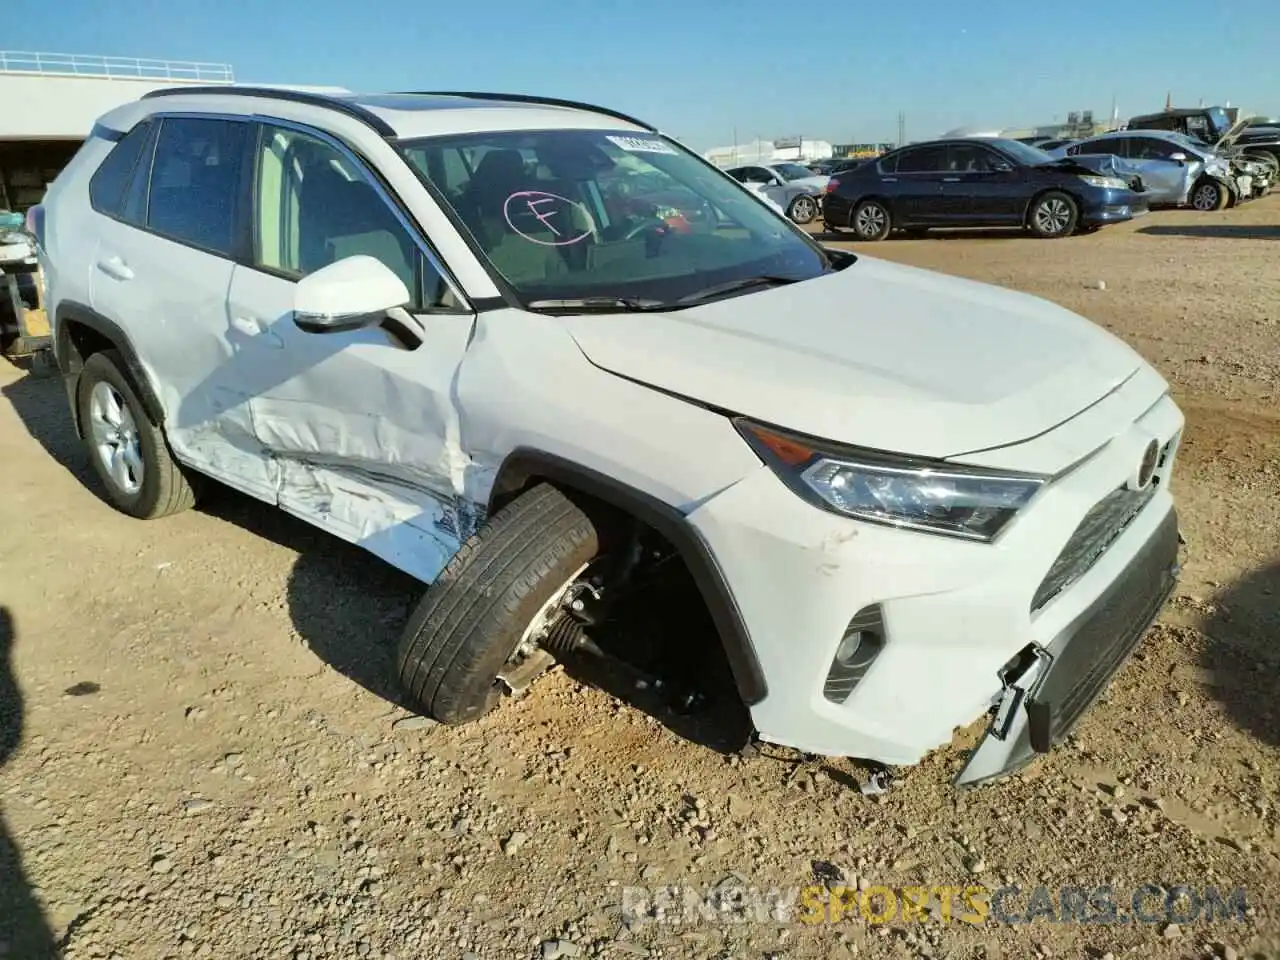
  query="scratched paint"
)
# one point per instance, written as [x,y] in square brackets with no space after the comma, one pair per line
[551,210]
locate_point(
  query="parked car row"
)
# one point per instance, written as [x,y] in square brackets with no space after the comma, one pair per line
[792,186]
[977,183]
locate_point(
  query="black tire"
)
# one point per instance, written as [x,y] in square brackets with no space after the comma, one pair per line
[871,220]
[1053,215]
[1208,194]
[164,488]
[472,618]
[802,209]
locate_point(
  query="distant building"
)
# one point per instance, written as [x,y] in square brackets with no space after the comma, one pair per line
[769,151]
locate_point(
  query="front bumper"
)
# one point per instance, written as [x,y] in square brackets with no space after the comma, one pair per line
[954,612]
[1112,206]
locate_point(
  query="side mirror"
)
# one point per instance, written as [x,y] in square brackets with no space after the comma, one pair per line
[355,292]
[1178,157]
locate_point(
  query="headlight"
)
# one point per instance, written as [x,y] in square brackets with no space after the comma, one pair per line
[1106,183]
[973,503]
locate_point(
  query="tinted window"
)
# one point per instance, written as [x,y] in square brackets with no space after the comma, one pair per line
[1099,148]
[195,181]
[971,158]
[108,183]
[923,160]
[315,206]
[1149,148]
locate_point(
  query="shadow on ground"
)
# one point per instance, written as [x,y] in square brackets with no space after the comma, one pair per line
[41,404]
[350,608]
[934,233]
[1226,231]
[24,932]
[1243,656]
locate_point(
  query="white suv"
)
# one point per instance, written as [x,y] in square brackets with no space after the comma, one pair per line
[523,348]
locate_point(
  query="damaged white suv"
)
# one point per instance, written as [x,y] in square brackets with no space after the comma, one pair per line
[521,348]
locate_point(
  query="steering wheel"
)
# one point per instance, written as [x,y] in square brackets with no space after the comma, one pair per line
[652,223]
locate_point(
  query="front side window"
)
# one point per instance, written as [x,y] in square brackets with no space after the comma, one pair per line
[566,214]
[195,181]
[971,158]
[314,206]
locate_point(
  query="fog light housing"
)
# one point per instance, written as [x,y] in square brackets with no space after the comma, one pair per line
[861,643]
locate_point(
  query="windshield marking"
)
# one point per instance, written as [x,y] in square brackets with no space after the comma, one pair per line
[641,145]
[536,203]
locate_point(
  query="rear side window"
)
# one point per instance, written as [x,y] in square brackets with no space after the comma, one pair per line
[195,182]
[108,183]
[923,160]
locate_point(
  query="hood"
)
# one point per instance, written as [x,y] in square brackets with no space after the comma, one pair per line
[879,355]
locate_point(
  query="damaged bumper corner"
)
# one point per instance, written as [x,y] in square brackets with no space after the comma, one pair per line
[1046,690]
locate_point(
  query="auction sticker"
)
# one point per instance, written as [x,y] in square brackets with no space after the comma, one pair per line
[642,145]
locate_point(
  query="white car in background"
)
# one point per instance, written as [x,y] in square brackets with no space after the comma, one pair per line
[793,187]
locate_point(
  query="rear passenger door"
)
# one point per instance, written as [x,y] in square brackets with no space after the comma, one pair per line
[361,425]
[161,272]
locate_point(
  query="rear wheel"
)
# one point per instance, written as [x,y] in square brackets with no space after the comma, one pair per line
[803,209]
[128,450]
[493,604]
[871,220]
[1209,195]
[1053,215]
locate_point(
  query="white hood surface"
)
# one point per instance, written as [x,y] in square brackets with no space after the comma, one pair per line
[879,355]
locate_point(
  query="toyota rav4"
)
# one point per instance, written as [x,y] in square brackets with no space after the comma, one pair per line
[523,348]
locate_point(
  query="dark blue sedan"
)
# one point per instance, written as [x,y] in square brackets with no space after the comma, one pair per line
[976,183]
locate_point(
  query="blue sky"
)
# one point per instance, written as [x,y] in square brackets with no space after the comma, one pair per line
[701,69]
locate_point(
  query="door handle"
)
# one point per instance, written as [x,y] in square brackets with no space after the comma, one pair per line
[115,267]
[253,327]
[950,179]
[890,180]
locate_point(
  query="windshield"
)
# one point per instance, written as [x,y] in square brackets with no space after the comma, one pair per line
[792,171]
[570,214]
[1024,153]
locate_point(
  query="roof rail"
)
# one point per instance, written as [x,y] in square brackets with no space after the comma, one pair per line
[340,104]
[527,98]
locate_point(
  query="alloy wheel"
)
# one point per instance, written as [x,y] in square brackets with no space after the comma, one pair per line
[871,220]
[115,438]
[1205,197]
[1053,215]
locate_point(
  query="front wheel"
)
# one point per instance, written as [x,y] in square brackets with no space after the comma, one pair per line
[871,220]
[1053,215]
[1209,195]
[803,209]
[498,597]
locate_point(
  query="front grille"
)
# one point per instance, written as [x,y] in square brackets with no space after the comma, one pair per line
[1096,532]
[1102,641]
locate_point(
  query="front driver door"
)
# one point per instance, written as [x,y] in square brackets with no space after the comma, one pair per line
[361,424]
[982,187]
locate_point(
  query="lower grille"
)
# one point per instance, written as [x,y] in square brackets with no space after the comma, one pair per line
[1104,638]
[1096,532]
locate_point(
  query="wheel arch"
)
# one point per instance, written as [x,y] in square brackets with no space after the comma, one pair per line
[526,466]
[81,332]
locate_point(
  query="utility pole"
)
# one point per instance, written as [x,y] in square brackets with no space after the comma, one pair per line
[902,128]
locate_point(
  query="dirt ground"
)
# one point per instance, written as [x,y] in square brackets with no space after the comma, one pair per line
[203,756]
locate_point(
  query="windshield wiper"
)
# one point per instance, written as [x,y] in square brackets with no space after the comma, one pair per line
[732,286]
[598,304]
